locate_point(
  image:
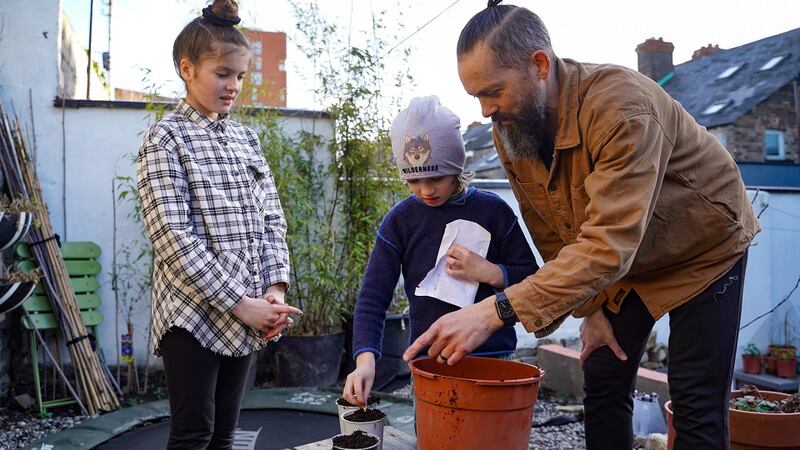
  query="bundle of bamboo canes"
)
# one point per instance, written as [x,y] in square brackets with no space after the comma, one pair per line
[94,382]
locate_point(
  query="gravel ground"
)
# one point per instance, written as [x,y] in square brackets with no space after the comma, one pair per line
[18,429]
[567,436]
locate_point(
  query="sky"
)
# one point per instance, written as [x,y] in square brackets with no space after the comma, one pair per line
[142,33]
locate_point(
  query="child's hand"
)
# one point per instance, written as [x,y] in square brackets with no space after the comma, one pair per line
[359,382]
[262,315]
[468,265]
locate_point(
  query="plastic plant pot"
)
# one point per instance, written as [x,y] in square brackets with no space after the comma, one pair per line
[476,404]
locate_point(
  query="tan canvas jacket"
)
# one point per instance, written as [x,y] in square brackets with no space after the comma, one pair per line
[639,196]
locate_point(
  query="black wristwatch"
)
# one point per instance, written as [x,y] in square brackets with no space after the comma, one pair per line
[504,309]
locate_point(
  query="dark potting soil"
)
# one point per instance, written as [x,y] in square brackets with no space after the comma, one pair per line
[369,415]
[358,439]
[371,400]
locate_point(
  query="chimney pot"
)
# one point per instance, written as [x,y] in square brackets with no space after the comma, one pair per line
[655,57]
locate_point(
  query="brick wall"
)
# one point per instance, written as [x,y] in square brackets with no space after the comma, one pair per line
[745,138]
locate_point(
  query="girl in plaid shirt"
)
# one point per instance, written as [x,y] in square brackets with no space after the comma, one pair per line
[211,209]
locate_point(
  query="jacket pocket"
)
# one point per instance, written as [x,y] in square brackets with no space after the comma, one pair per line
[684,225]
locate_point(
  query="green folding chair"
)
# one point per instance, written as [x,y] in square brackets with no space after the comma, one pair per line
[80,259]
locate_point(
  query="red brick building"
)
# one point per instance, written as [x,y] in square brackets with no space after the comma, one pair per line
[266,83]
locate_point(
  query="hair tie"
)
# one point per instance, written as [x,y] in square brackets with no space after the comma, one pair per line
[493,3]
[209,15]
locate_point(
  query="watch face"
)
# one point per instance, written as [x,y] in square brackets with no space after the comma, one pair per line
[505,308]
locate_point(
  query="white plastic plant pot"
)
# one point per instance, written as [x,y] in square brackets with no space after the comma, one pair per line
[376,446]
[342,411]
[374,427]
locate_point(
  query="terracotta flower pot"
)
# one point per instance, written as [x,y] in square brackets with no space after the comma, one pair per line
[752,364]
[476,404]
[770,364]
[753,430]
[787,368]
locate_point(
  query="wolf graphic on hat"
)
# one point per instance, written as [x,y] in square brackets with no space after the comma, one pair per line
[417,151]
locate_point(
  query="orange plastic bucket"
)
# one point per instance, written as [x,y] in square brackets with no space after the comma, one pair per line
[478,403]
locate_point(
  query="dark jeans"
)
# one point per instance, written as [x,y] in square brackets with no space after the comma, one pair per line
[205,392]
[702,348]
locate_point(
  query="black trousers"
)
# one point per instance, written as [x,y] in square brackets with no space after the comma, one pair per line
[205,392]
[702,348]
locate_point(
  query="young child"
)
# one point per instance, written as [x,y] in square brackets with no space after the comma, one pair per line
[429,150]
[210,207]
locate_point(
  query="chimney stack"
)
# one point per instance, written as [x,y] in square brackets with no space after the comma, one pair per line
[655,58]
[705,51]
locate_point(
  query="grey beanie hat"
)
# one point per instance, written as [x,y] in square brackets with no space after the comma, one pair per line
[426,140]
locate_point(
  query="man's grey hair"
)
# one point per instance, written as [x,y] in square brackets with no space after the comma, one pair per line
[512,32]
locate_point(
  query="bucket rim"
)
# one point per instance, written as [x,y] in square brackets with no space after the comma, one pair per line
[505,382]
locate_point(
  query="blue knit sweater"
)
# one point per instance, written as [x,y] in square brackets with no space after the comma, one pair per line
[409,239]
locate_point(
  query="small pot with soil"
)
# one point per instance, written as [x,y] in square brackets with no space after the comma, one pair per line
[356,440]
[367,420]
[345,406]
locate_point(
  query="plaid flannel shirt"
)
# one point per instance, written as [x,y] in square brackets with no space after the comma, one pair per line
[212,211]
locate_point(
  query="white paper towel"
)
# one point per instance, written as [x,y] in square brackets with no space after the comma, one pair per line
[437,283]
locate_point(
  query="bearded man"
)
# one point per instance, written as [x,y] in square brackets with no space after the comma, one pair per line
[637,211]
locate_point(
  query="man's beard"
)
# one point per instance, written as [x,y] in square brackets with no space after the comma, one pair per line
[525,135]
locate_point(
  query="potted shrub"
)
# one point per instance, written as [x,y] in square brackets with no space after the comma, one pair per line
[334,193]
[751,359]
[758,419]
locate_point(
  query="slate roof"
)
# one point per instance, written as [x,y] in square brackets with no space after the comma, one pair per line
[696,86]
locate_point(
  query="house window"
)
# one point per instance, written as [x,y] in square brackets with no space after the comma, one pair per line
[715,108]
[771,63]
[728,72]
[773,145]
[282,65]
[259,64]
[258,78]
[256,48]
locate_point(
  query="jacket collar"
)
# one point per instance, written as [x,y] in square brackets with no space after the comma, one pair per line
[201,119]
[567,135]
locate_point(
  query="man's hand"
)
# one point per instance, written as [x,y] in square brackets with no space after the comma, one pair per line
[458,333]
[465,264]
[596,332]
[359,382]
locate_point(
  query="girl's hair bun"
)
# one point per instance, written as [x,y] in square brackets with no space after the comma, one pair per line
[223,13]
[227,9]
